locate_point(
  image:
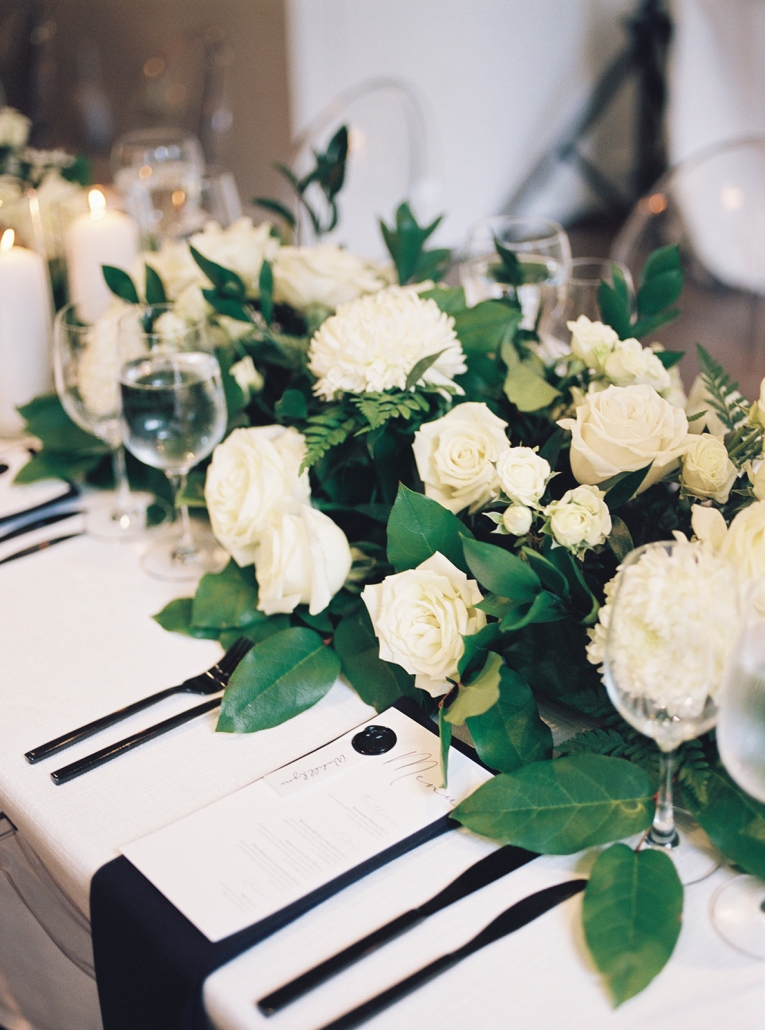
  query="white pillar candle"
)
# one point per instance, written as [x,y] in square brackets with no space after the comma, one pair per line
[25,318]
[99,237]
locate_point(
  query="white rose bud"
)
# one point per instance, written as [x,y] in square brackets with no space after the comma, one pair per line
[302,559]
[516,519]
[420,617]
[707,469]
[592,342]
[623,429]
[322,275]
[247,377]
[629,363]
[14,128]
[456,456]
[253,480]
[580,519]
[523,475]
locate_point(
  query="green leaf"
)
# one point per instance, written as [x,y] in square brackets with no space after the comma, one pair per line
[476,648]
[670,358]
[405,242]
[278,680]
[528,390]
[544,608]
[266,287]
[659,291]
[47,420]
[646,326]
[419,370]
[614,310]
[239,310]
[226,599]
[481,693]
[223,279]
[582,599]
[631,913]
[511,734]
[377,683]
[175,617]
[155,290]
[733,820]
[625,486]
[292,407]
[512,270]
[418,527]
[550,576]
[620,538]
[277,208]
[500,571]
[486,326]
[562,806]
[621,289]
[449,299]
[445,740]
[550,449]
[120,283]
[663,259]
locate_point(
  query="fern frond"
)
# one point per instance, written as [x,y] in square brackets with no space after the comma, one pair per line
[724,395]
[324,431]
[378,408]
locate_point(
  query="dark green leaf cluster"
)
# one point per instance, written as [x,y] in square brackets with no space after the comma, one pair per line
[406,241]
[660,289]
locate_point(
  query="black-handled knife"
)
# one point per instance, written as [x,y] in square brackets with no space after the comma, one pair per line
[480,874]
[47,520]
[42,546]
[513,918]
[72,491]
[106,754]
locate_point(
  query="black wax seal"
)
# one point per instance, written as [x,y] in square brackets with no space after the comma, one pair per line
[374,740]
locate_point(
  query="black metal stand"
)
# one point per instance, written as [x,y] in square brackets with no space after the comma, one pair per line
[644,58]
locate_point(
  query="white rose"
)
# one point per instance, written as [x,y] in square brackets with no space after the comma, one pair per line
[420,617]
[629,363]
[516,519]
[623,429]
[191,305]
[322,275]
[759,407]
[253,480]
[14,128]
[592,342]
[580,519]
[174,265]
[242,247]
[302,559]
[247,377]
[744,543]
[523,475]
[698,401]
[757,479]
[707,469]
[97,374]
[455,456]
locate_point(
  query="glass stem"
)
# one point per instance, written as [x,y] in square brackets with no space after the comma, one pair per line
[123,500]
[184,547]
[663,833]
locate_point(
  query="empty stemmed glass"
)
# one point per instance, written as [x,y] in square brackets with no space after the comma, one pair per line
[738,908]
[669,630]
[173,415]
[86,364]
[542,249]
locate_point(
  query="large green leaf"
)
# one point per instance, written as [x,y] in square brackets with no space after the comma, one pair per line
[733,820]
[481,693]
[624,487]
[486,326]
[155,288]
[405,242]
[631,912]
[377,683]
[544,608]
[47,420]
[120,283]
[511,734]
[525,384]
[277,680]
[175,617]
[418,527]
[449,299]
[614,310]
[501,571]
[223,279]
[226,599]
[562,806]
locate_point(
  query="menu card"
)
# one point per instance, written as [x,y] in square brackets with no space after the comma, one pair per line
[247,856]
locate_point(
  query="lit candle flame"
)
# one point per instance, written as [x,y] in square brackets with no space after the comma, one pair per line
[97,203]
[7,240]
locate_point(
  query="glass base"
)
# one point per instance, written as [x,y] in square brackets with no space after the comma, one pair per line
[166,560]
[105,521]
[694,855]
[738,914]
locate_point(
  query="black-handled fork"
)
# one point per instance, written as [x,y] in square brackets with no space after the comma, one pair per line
[210,682]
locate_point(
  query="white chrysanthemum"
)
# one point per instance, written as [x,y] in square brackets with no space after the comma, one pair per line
[675,620]
[373,343]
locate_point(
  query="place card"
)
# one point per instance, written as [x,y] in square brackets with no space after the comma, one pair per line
[246,857]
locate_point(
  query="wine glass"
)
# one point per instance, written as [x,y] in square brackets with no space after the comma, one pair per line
[542,248]
[173,415]
[159,173]
[85,365]
[675,609]
[738,908]
[579,296]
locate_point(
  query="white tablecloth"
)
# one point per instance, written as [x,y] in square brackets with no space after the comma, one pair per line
[77,640]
